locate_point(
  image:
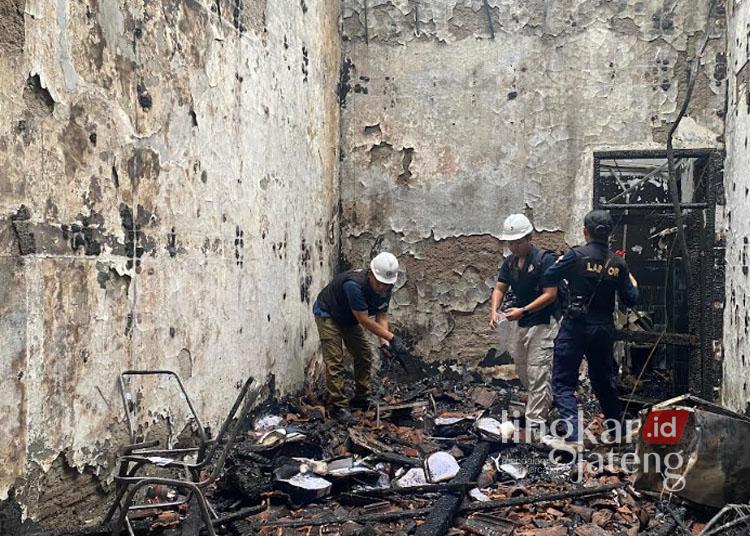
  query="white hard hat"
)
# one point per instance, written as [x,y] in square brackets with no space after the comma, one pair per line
[385,268]
[516,226]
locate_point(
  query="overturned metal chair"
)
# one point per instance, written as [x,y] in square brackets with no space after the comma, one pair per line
[139,454]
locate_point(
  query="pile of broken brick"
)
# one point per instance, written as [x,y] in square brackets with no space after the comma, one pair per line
[434,456]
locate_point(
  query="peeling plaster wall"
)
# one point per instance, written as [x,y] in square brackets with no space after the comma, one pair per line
[447,129]
[168,185]
[736,377]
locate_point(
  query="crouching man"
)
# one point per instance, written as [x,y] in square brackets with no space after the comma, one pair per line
[355,301]
[533,337]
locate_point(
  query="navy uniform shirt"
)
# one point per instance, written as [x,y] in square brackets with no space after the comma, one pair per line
[526,284]
[582,267]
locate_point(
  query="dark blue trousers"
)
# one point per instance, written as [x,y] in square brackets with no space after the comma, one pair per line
[578,339]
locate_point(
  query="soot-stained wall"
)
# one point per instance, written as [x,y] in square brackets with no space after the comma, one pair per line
[736,377]
[455,115]
[168,194]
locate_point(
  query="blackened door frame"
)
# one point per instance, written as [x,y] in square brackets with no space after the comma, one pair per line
[696,368]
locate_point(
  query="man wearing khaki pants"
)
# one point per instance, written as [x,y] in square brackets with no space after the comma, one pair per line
[534,334]
[355,301]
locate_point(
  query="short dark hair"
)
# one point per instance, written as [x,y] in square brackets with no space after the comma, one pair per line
[599,224]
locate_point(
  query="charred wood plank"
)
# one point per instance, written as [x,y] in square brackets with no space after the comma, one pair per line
[435,509]
[568,494]
[447,506]
[392,457]
[677,339]
[650,206]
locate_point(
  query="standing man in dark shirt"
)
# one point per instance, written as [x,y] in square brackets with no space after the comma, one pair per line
[595,275]
[343,308]
[533,337]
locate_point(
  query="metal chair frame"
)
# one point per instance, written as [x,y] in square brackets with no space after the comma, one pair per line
[138,455]
[134,440]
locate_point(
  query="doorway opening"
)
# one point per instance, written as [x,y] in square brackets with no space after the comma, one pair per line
[671,341]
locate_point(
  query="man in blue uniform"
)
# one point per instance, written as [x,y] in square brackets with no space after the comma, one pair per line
[594,275]
[354,301]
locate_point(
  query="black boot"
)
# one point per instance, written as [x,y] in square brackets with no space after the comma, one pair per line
[342,415]
[363,402]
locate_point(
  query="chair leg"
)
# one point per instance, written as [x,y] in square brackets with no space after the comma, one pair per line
[117,526]
[196,492]
[212,510]
[125,507]
[204,511]
[129,526]
[115,505]
[121,489]
[194,489]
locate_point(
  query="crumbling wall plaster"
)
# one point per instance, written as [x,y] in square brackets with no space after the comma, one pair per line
[451,120]
[736,352]
[167,200]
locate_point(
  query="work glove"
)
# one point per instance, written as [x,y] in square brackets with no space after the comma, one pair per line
[398,346]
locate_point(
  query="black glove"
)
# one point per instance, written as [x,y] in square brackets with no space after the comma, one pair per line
[398,346]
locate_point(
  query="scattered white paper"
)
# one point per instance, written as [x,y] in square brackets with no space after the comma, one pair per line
[269,422]
[478,495]
[441,467]
[161,462]
[493,429]
[516,470]
[413,477]
[311,482]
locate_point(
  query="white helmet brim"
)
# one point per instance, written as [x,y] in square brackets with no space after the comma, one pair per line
[514,236]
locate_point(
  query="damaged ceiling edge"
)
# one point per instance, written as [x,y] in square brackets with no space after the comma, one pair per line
[434,21]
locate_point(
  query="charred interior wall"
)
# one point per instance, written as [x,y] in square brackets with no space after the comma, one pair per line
[456,113]
[168,191]
[736,377]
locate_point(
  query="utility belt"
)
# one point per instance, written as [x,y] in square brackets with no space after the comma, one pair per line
[578,307]
[579,310]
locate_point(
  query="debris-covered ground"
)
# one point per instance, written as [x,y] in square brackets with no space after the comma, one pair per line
[392,470]
[441,452]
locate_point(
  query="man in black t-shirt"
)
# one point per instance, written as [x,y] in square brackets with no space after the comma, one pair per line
[534,334]
[355,301]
